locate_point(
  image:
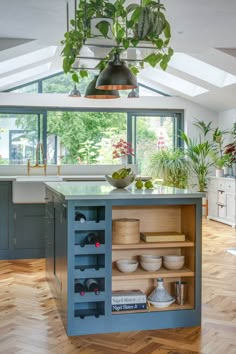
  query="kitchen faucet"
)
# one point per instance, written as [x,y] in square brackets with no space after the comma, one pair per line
[39,150]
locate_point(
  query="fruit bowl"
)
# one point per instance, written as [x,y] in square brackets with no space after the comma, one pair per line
[122,182]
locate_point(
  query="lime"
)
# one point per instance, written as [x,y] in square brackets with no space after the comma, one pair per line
[115,175]
[148,184]
[139,184]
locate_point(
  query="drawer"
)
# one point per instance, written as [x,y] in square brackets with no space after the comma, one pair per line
[230,187]
[213,185]
[221,185]
[221,198]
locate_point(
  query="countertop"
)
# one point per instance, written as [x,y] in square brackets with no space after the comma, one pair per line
[62,178]
[103,190]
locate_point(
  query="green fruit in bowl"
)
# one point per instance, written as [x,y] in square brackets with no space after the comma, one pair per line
[115,175]
[139,184]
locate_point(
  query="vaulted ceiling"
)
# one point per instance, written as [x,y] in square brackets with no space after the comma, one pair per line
[204,30]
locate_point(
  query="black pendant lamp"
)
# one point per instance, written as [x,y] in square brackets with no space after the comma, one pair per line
[133,94]
[74,92]
[116,76]
[93,92]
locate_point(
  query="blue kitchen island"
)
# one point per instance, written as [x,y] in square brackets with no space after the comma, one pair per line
[70,259]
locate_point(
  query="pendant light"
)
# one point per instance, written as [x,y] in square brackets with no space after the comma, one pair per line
[74,92]
[116,76]
[133,94]
[93,92]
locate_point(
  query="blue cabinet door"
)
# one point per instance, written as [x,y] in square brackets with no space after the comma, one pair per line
[4,215]
[50,240]
[29,231]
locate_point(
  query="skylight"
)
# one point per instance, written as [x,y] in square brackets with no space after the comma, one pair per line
[157,76]
[201,70]
[26,74]
[27,59]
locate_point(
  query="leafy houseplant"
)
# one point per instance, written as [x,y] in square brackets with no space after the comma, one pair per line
[171,166]
[145,21]
[198,151]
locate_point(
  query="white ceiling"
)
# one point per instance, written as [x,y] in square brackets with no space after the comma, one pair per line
[203,29]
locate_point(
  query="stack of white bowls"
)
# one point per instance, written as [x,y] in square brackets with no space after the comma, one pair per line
[150,263]
[173,262]
[127,265]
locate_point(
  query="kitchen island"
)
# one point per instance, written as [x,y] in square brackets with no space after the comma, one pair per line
[69,259]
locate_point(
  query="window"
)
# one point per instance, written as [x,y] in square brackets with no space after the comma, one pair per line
[151,132]
[19,135]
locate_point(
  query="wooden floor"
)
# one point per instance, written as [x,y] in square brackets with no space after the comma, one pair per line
[29,322]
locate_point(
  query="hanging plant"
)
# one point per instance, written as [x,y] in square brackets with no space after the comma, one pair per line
[126,25]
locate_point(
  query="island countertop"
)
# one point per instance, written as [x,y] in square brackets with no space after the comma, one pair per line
[103,190]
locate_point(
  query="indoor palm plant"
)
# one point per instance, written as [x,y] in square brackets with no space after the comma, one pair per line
[128,25]
[198,151]
[171,166]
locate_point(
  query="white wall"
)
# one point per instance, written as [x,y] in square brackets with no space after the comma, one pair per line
[226,121]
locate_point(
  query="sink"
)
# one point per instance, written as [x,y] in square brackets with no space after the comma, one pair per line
[31,189]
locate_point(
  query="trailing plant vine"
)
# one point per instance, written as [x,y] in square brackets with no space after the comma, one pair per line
[128,26]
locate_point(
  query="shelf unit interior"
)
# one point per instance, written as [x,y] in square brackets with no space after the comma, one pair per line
[178,218]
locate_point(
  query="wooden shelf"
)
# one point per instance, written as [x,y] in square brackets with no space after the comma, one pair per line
[146,245]
[143,274]
[172,307]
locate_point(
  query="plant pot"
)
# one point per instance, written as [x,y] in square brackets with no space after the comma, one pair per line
[124,159]
[219,172]
[226,170]
[234,169]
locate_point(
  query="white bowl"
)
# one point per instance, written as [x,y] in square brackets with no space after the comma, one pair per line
[149,258]
[173,265]
[120,183]
[150,267]
[127,265]
[173,258]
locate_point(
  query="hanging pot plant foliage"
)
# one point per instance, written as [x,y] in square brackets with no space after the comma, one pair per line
[127,26]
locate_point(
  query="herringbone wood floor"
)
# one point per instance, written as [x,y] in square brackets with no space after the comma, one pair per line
[29,322]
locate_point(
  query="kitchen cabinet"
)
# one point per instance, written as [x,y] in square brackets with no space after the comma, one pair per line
[78,261]
[29,231]
[5,192]
[21,227]
[222,200]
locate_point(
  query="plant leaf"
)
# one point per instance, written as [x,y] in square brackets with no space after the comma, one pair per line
[103,27]
[153,59]
[83,73]
[75,78]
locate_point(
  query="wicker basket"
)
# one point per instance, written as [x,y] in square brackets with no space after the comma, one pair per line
[125,231]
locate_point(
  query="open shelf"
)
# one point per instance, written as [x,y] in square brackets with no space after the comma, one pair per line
[146,245]
[143,274]
[150,308]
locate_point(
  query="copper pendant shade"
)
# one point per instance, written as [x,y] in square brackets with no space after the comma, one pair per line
[116,76]
[93,92]
[74,92]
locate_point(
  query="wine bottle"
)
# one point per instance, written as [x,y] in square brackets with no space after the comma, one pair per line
[93,239]
[80,288]
[80,217]
[92,285]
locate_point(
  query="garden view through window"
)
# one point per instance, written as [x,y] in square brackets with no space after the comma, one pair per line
[83,137]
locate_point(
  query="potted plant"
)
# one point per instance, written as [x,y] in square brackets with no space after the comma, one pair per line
[171,166]
[198,151]
[147,20]
[122,149]
[217,154]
